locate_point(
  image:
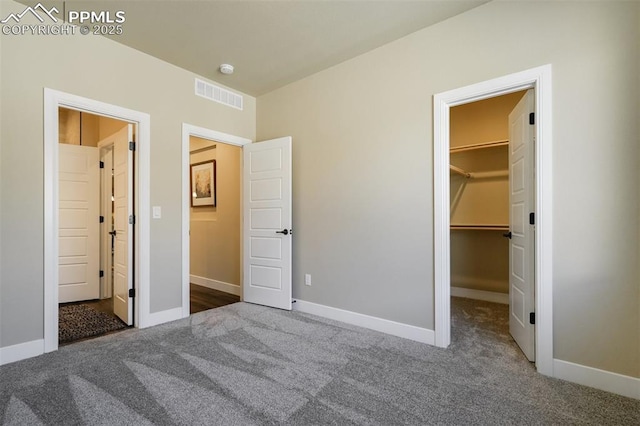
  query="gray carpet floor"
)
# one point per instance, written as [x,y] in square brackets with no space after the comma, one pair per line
[244,364]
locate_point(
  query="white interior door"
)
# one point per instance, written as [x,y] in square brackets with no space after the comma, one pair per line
[106,227]
[521,246]
[123,210]
[79,225]
[267,223]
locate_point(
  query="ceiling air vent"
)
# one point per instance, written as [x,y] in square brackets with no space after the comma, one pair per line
[218,94]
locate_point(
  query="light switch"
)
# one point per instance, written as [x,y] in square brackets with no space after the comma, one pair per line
[157,212]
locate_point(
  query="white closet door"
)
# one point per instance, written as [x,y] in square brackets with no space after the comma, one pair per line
[521,246]
[79,225]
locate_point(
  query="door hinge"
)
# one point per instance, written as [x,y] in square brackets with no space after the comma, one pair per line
[532,317]
[132,219]
[532,218]
[101,274]
[132,146]
[132,292]
[101,219]
[532,118]
[102,164]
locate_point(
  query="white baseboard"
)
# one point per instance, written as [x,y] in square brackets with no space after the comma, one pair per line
[600,379]
[161,317]
[487,296]
[21,351]
[406,331]
[215,284]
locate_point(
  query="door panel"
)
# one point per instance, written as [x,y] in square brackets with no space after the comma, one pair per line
[78,223]
[106,208]
[266,248]
[123,208]
[267,213]
[267,219]
[521,199]
[266,277]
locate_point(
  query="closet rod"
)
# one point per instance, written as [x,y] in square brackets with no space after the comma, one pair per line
[488,175]
[492,144]
[459,171]
[484,227]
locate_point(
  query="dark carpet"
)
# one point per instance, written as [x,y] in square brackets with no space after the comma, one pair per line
[244,364]
[80,321]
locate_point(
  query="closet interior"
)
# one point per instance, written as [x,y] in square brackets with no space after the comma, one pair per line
[479,178]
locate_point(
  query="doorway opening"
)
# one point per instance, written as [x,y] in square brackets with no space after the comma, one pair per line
[138,236]
[215,267]
[218,155]
[490,249]
[538,79]
[95,184]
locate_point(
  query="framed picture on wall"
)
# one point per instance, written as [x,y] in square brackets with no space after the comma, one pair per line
[203,184]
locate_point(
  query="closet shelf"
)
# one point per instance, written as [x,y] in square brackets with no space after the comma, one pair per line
[493,144]
[480,227]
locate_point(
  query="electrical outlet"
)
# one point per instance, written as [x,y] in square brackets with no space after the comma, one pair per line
[307,279]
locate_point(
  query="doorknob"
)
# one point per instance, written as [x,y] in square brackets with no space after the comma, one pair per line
[284,231]
[507,235]
[113,233]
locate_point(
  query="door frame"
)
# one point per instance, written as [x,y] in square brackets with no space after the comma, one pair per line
[540,80]
[189,130]
[54,99]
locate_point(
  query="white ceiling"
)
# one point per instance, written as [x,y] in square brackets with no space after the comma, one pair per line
[270,43]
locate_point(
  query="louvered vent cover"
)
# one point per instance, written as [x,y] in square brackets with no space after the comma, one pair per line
[218,94]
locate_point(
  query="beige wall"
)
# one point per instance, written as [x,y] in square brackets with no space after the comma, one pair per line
[482,121]
[480,258]
[81,128]
[215,231]
[362,167]
[69,126]
[108,126]
[90,128]
[480,200]
[120,76]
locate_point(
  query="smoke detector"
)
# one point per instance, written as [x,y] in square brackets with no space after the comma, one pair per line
[226,69]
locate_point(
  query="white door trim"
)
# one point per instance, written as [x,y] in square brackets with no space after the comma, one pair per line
[213,135]
[54,99]
[540,79]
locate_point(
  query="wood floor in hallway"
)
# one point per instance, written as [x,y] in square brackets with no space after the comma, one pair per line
[203,298]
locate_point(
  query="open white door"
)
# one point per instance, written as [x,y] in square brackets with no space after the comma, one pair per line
[267,223]
[79,226]
[123,211]
[106,227]
[521,245]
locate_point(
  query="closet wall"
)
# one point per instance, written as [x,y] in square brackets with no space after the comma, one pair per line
[480,200]
[79,128]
